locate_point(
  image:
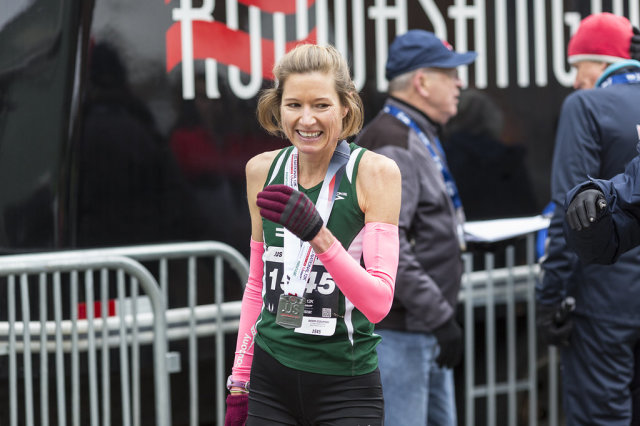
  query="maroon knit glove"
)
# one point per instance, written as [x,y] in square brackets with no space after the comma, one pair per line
[237,408]
[290,208]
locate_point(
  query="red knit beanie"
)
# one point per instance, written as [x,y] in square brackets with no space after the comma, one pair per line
[603,37]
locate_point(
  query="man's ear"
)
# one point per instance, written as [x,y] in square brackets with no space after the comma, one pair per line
[420,83]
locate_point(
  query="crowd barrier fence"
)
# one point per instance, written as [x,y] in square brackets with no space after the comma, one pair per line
[501,369]
[505,372]
[55,274]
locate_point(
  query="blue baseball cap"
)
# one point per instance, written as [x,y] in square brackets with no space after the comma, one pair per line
[420,49]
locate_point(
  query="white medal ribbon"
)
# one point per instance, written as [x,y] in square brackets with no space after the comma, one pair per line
[299,256]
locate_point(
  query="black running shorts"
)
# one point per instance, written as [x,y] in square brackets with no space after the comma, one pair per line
[281,395]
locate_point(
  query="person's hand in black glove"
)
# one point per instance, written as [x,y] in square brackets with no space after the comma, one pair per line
[449,336]
[586,208]
[634,50]
[554,327]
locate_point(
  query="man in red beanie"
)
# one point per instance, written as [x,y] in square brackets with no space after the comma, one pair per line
[601,39]
[596,138]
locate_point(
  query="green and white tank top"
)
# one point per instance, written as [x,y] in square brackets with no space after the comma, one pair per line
[349,349]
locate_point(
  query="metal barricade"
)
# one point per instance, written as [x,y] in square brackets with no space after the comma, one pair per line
[62,332]
[501,381]
[186,322]
[225,315]
[503,370]
[202,320]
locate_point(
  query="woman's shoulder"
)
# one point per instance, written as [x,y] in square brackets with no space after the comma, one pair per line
[374,164]
[259,164]
[379,186]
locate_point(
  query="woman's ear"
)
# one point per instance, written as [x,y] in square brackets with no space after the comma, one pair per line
[345,108]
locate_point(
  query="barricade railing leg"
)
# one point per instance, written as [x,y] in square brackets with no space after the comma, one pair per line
[60,380]
[44,368]
[469,332]
[511,338]
[220,348]
[193,343]
[531,332]
[490,341]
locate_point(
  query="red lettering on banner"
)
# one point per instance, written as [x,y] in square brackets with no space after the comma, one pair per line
[231,47]
[272,6]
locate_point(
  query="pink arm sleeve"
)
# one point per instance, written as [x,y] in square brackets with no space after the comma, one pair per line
[370,290]
[251,306]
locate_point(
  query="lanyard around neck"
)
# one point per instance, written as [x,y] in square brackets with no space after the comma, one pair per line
[607,78]
[626,78]
[449,183]
[299,258]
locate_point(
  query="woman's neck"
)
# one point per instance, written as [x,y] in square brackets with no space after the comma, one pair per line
[312,169]
[310,176]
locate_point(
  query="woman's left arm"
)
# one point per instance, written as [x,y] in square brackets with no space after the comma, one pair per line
[379,193]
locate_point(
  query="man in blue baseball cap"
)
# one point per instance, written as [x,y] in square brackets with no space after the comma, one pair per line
[421,340]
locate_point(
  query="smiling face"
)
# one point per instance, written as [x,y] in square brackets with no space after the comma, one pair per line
[311,112]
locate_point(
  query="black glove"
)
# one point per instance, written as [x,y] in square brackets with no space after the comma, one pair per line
[554,324]
[587,207]
[634,50]
[449,337]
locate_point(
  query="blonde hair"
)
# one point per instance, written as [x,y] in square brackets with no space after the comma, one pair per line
[307,58]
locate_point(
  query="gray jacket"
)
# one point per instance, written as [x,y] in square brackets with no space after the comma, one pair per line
[430,266]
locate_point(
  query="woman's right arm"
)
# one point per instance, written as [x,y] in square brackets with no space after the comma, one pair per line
[256,171]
